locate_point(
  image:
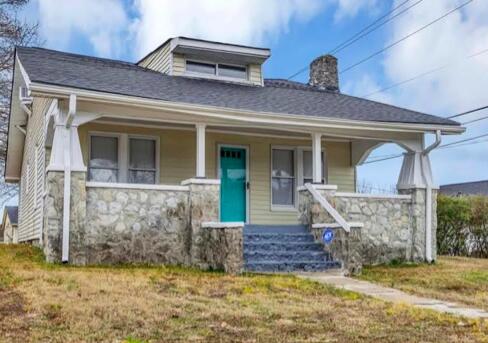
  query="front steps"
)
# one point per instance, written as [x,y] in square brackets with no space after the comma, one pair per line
[284,248]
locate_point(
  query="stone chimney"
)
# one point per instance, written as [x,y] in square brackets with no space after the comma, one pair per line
[323,73]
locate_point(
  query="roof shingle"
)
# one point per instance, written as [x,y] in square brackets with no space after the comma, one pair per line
[277,96]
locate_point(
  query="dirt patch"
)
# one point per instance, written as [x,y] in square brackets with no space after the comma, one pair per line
[14,322]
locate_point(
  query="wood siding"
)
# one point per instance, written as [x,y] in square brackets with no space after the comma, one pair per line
[178,155]
[159,60]
[33,174]
[255,74]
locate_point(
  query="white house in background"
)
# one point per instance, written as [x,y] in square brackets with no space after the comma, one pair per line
[141,162]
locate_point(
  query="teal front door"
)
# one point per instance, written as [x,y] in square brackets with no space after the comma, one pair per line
[233,184]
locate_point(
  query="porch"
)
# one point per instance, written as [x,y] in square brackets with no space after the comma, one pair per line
[153,186]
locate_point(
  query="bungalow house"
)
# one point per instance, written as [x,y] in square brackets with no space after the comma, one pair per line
[8,229]
[191,156]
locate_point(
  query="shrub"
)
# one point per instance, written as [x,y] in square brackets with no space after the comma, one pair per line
[462,226]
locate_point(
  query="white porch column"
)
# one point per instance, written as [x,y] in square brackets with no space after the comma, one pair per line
[317,157]
[200,128]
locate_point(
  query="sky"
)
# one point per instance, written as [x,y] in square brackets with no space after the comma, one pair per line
[297,31]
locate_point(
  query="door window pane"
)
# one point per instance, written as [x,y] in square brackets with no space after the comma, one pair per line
[201,68]
[232,71]
[283,177]
[142,160]
[103,164]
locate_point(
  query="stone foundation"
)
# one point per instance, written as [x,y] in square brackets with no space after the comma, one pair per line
[222,247]
[394,227]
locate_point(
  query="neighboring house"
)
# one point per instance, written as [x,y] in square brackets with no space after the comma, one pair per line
[465,188]
[8,230]
[165,160]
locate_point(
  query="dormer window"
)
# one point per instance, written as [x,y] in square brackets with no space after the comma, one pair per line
[218,70]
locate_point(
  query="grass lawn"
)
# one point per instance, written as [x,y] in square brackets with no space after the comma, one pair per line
[53,303]
[459,279]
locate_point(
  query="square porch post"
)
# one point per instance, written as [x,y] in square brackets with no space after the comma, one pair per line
[200,138]
[317,157]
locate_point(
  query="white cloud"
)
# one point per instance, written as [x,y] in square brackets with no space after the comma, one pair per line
[350,8]
[237,21]
[101,22]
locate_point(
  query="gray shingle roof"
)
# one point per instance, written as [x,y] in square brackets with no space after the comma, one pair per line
[13,214]
[277,96]
[466,188]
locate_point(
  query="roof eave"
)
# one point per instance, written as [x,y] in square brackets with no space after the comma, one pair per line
[250,116]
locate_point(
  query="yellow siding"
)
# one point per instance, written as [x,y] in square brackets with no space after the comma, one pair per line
[33,172]
[178,64]
[159,60]
[178,155]
[255,75]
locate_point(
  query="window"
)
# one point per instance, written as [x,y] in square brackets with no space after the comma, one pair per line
[283,177]
[104,160]
[201,68]
[123,158]
[233,71]
[142,160]
[217,69]
[308,169]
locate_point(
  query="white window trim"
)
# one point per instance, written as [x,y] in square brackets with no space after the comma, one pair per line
[123,152]
[300,176]
[216,76]
[283,208]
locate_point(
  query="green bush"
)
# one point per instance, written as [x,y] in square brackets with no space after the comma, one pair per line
[462,226]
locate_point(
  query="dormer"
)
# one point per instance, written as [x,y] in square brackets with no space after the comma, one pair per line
[181,56]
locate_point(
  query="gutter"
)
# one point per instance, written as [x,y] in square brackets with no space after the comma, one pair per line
[247,116]
[428,201]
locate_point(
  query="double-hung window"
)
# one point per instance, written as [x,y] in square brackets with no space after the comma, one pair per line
[307,166]
[283,177]
[122,158]
[225,71]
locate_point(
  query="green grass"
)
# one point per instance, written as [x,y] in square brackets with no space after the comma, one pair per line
[458,279]
[41,302]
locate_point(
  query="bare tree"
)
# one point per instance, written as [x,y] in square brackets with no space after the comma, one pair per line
[13,32]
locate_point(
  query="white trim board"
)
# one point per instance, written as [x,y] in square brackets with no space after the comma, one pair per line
[93,184]
[374,196]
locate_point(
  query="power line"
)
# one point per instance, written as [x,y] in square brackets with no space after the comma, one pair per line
[444,146]
[359,33]
[405,38]
[364,32]
[421,75]
[475,120]
[468,112]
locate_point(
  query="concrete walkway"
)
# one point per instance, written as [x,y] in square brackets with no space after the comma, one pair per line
[393,295]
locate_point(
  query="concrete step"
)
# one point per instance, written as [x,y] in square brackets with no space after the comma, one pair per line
[283,246]
[278,237]
[281,266]
[286,256]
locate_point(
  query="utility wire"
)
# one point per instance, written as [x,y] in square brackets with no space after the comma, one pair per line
[404,38]
[354,37]
[365,32]
[475,120]
[468,112]
[444,146]
[431,71]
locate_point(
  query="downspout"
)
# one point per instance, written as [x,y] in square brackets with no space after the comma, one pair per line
[67,177]
[428,201]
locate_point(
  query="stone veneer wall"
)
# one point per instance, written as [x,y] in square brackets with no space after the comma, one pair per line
[137,226]
[394,227]
[223,248]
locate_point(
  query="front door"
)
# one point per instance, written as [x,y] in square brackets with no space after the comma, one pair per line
[233,184]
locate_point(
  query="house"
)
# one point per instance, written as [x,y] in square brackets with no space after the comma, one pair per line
[8,229]
[465,188]
[191,156]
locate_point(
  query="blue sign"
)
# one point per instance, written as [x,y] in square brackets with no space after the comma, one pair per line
[328,236]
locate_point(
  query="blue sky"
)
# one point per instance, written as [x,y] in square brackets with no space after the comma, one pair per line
[297,31]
